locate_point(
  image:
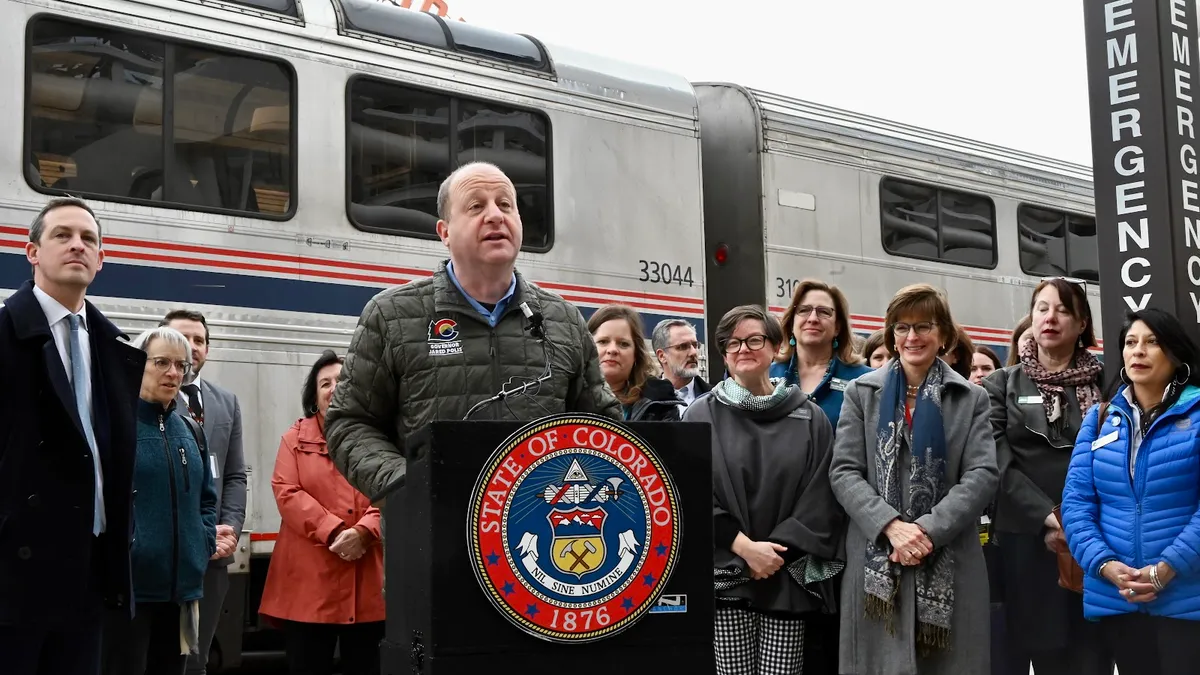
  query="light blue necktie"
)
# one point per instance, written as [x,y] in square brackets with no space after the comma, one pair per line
[78,375]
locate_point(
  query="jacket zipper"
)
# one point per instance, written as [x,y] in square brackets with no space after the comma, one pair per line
[187,481]
[1137,480]
[162,428]
[1056,447]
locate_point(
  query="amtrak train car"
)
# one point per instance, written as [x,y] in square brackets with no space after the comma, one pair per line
[275,163]
[794,190]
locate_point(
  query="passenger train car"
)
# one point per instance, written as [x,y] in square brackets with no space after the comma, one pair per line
[274,163]
[795,190]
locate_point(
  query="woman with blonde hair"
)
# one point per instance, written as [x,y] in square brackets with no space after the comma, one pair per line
[914,464]
[628,367]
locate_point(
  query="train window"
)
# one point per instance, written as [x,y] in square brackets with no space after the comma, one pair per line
[396,20]
[98,126]
[285,7]
[404,142]
[381,17]
[1057,243]
[495,45]
[920,221]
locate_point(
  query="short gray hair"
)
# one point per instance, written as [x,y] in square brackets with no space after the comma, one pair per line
[169,335]
[662,332]
[771,328]
[443,202]
[38,227]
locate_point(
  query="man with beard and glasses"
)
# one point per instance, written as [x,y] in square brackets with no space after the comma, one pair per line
[678,352]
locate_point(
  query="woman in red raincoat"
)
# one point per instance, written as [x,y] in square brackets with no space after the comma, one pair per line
[325,583]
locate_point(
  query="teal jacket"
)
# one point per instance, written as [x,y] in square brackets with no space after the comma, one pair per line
[174,509]
[830,391]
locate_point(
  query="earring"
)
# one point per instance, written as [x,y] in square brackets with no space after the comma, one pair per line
[792,341]
[835,343]
[1123,376]
[1186,377]
[1080,343]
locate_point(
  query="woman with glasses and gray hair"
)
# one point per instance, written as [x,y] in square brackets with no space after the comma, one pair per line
[175,521]
[775,522]
[1037,407]
[914,465]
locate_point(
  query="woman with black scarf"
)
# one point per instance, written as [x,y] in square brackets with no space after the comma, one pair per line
[775,521]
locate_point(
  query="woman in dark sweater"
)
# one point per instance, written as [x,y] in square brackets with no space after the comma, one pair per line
[775,520]
[1037,408]
[628,368]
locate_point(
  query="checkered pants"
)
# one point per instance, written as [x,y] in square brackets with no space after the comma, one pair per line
[749,643]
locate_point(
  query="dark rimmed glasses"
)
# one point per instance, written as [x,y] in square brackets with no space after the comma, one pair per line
[752,342]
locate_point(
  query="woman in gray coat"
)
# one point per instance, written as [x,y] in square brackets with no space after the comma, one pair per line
[776,525]
[914,464]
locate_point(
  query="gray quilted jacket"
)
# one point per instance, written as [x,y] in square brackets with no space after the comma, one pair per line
[421,352]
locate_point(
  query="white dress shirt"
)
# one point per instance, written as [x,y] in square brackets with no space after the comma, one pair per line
[60,329]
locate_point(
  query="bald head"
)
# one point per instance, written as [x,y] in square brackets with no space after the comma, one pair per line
[471,168]
[479,221]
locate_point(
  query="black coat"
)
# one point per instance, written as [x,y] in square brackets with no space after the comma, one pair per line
[657,404]
[49,559]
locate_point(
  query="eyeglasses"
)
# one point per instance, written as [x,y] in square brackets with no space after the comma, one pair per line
[163,365]
[684,347]
[923,328]
[753,343]
[1082,283]
[822,312]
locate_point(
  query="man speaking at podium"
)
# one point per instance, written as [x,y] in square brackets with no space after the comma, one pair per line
[443,348]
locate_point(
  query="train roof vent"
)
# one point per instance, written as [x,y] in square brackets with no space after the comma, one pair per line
[285,7]
[373,19]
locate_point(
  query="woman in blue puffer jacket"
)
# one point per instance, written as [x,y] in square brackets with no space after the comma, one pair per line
[1131,506]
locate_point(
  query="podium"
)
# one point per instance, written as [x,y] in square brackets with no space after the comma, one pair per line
[440,620]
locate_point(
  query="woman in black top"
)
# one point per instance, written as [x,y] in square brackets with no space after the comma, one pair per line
[1038,406]
[628,368]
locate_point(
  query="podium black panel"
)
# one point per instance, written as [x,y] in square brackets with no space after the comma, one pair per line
[439,620]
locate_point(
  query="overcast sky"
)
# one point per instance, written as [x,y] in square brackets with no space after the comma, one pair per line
[1011,73]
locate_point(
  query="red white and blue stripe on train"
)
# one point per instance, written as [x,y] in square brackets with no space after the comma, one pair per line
[192,273]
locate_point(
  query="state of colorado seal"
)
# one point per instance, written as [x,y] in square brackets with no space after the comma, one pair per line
[573,528]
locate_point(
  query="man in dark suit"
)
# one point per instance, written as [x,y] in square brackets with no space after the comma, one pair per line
[218,412]
[67,443]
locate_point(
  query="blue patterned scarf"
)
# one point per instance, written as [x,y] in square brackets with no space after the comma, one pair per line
[926,486]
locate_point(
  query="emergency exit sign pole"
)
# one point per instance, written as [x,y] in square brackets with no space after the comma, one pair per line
[1143,81]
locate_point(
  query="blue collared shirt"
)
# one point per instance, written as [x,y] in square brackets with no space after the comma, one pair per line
[493,316]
